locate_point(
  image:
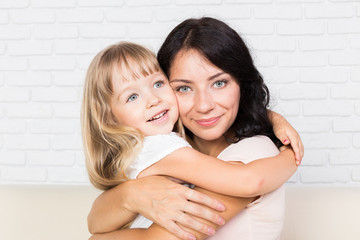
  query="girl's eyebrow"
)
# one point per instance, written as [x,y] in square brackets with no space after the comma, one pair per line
[122,91]
[189,81]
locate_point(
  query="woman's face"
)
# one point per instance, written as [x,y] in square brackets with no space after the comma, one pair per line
[208,97]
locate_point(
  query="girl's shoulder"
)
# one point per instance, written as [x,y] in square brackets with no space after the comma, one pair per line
[162,140]
[154,148]
[250,149]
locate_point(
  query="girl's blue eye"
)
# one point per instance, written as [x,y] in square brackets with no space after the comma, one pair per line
[159,84]
[183,89]
[132,98]
[220,84]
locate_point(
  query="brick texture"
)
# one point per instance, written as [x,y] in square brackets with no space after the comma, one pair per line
[308,52]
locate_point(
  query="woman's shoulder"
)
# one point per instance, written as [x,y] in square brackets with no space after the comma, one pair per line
[250,149]
[256,140]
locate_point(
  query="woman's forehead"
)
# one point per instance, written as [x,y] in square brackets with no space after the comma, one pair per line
[190,62]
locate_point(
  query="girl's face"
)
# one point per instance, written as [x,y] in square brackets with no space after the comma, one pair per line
[147,104]
[208,97]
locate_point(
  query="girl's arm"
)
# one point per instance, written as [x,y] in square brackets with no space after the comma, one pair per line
[259,176]
[119,205]
[156,232]
[287,134]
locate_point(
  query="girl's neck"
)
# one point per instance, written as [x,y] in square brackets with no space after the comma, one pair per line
[212,148]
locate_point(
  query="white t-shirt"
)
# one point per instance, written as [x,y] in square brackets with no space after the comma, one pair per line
[154,149]
[262,219]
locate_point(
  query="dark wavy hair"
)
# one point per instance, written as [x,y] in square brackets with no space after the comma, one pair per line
[223,47]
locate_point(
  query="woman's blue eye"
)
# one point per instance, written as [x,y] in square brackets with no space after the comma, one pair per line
[183,89]
[219,84]
[132,97]
[159,84]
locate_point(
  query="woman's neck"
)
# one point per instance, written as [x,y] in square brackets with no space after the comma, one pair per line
[211,148]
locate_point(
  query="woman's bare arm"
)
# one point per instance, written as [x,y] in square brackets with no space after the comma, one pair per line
[116,207]
[156,232]
[110,210]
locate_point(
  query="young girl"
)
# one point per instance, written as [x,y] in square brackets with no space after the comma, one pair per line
[128,114]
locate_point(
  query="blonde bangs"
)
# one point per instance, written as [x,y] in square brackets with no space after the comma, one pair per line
[132,61]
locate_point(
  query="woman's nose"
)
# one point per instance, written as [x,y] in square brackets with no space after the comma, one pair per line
[204,102]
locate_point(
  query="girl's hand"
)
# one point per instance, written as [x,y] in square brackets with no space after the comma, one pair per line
[287,135]
[169,204]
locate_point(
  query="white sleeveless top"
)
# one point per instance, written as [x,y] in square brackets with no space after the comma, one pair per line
[154,149]
[262,219]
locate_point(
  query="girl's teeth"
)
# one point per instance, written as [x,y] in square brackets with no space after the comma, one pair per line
[158,116]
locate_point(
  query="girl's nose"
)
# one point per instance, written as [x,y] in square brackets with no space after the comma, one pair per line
[153,100]
[204,102]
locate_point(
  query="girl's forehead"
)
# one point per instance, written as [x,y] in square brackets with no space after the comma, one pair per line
[120,78]
[126,76]
[131,70]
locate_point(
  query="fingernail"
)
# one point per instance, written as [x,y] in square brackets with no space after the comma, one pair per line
[285,141]
[220,207]
[211,232]
[221,221]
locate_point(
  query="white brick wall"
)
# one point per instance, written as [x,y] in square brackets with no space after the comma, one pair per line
[307,50]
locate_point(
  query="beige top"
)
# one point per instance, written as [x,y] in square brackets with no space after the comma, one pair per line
[262,219]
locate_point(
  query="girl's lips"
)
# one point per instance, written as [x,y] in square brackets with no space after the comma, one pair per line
[160,117]
[208,122]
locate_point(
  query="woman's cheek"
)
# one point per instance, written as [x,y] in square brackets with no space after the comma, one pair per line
[185,105]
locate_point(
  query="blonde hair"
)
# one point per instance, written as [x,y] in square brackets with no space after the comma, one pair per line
[110,147]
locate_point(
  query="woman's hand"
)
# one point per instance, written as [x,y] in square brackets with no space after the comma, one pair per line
[169,204]
[287,135]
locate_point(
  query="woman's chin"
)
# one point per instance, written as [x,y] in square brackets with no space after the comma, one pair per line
[207,135]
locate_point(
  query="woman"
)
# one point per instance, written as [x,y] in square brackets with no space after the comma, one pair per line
[202,58]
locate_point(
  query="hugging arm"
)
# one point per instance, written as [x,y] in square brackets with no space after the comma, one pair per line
[117,206]
[261,176]
[151,197]
[156,232]
[157,198]
[287,134]
[107,214]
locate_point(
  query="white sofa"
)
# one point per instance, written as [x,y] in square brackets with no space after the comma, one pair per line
[59,212]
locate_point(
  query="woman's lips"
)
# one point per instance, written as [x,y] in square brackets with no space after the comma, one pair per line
[208,122]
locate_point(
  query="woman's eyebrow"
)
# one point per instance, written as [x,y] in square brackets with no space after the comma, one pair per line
[179,80]
[216,75]
[189,81]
